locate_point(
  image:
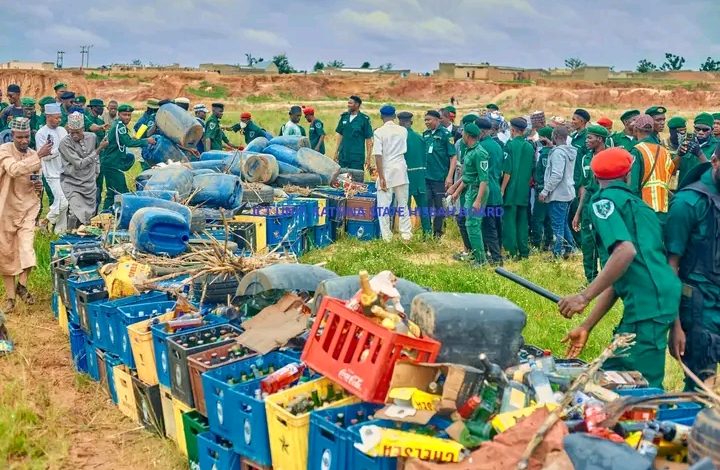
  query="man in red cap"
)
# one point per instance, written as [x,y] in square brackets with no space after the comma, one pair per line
[636,271]
[249,129]
[317,130]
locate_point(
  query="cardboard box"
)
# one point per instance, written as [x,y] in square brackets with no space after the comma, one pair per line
[275,325]
[408,396]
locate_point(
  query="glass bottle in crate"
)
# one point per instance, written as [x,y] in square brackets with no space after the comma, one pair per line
[282,377]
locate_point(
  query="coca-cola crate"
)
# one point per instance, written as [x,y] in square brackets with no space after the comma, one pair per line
[359,354]
[218,357]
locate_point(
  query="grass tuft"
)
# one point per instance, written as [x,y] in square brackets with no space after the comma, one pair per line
[209,90]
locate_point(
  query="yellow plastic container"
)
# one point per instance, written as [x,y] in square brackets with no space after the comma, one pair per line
[142,348]
[166,401]
[178,409]
[63,319]
[322,211]
[125,394]
[260,230]
[288,433]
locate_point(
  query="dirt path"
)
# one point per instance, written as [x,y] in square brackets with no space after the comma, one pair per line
[59,419]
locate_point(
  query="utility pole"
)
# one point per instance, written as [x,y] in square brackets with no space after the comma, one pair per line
[87,55]
[59,61]
[83,51]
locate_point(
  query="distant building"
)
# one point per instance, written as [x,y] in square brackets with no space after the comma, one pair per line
[358,71]
[18,65]
[264,66]
[483,72]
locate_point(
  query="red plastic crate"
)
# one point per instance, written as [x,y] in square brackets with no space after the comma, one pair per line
[337,344]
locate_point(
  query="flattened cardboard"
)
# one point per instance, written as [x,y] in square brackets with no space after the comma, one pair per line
[275,325]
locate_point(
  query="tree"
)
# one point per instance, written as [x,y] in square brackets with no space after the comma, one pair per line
[710,65]
[283,63]
[365,65]
[336,64]
[574,63]
[645,66]
[318,66]
[672,62]
[252,60]
[386,67]
[136,63]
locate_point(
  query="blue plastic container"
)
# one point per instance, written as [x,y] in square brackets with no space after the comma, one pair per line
[258,168]
[78,349]
[282,154]
[293,142]
[73,284]
[215,165]
[215,453]
[143,177]
[160,336]
[163,150]
[129,204]
[233,411]
[172,178]
[71,239]
[280,220]
[215,155]
[159,194]
[258,144]
[178,125]
[315,162]
[159,231]
[92,363]
[55,304]
[111,360]
[681,413]
[288,169]
[329,444]
[322,236]
[217,190]
[363,229]
[298,247]
[312,209]
[203,172]
[130,314]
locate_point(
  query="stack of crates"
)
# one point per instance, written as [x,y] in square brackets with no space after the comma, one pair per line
[361,214]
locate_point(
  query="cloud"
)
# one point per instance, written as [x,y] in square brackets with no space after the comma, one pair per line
[264,38]
[58,34]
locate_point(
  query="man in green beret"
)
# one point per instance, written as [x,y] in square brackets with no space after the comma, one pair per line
[459,195]
[699,150]
[515,188]
[658,115]
[541,233]
[28,105]
[59,88]
[148,118]
[492,107]
[716,125]
[677,126]
[582,220]
[416,160]
[94,121]
[578,124]
[79,104]
[43,101]
[215,138]
[475,179]
[114,160]
[626,137]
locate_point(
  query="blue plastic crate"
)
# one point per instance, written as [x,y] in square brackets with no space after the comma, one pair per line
[280,220]
[129,314]
[312,209]
[92,362]
[78,350]
[681,413]
[215,453]
[301,209]
[74,283]
[322,236]
[160,336]
[363,229]
[104,314]
[70,239]
[55,304]
[329,444]
[233,411]
[111,360]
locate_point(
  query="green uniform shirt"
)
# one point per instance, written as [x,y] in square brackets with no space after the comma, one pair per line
[97,120]
[689,161]
[416,160]
[439,151]
[589,182]
[518,163]
[578,141]
[354,133]
[214,132]
[476,164]
[317,130]
[63,116]
[621,139]
[540,167]
[118,141]
[250,132]
[496,157]
[649,288]
[689,223]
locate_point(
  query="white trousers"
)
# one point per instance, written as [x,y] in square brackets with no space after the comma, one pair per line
[58,213]
[385,211]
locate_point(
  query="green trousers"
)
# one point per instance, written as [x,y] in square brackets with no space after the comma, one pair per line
[589,247]
[422,208]
[647,355]
[114,184]
[48,191]
[515,231]
[473,225]
[542,234]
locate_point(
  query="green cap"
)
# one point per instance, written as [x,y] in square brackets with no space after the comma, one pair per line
[629,114]
[46,100]
[451,109]
[676,122]
[59,85]
[96,103]
[716,116]
[80,99]
[598,130]
[153,103]
[472,130]
[125,108]
[27,102]
[468,118]
[545,132]
[655,110]
[492,106]
[705,119]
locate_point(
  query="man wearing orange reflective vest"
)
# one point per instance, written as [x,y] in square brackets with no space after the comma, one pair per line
[652,167]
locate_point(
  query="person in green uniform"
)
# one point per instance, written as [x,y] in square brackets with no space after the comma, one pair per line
[582,220]
[354,136]
[66,104]
[677,126]
[626,137]
[475,179]
[79,104]
[114,159]
[249,129]
[636,271]
[716,125]
[693,251]
[215,138]
[458,189]
[658,115]
[28,105]
[643,125]
[441,163]
[94,121]
[542,234]
[60,88]
[42,102]
[579,124]
[317,130]
[696,149]
[492,107]
[492,217]
[416,161]
[517,169]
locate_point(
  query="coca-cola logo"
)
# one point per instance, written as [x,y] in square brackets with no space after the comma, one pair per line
[349,377]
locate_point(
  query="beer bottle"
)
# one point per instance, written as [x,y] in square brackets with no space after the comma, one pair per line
[368,297]
[316,398]
[330,397]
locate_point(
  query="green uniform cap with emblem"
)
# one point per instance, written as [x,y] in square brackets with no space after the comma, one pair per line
[46,100]
[468,118]
[716,116]
[676,122]
[598,130]
[59,85]
[451,109]
[545,132]
[492,106]
[704,119]
[631,113]
[655,110]
[471,129]
[96,103]
[125,108]
[80,99]
[26,102]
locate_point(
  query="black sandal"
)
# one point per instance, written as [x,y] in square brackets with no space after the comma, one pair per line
[9,306]
[24,294]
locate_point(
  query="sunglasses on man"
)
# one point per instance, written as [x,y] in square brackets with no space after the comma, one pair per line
[702,129]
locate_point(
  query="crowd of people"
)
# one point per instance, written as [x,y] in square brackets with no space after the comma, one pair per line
[644,211]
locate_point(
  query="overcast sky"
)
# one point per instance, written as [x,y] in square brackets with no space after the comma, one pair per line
[414,34]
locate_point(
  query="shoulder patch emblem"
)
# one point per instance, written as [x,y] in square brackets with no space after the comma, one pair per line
[122,130]
[603,208]
[484,165]
[318,125]
[544,162]
[211,125]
